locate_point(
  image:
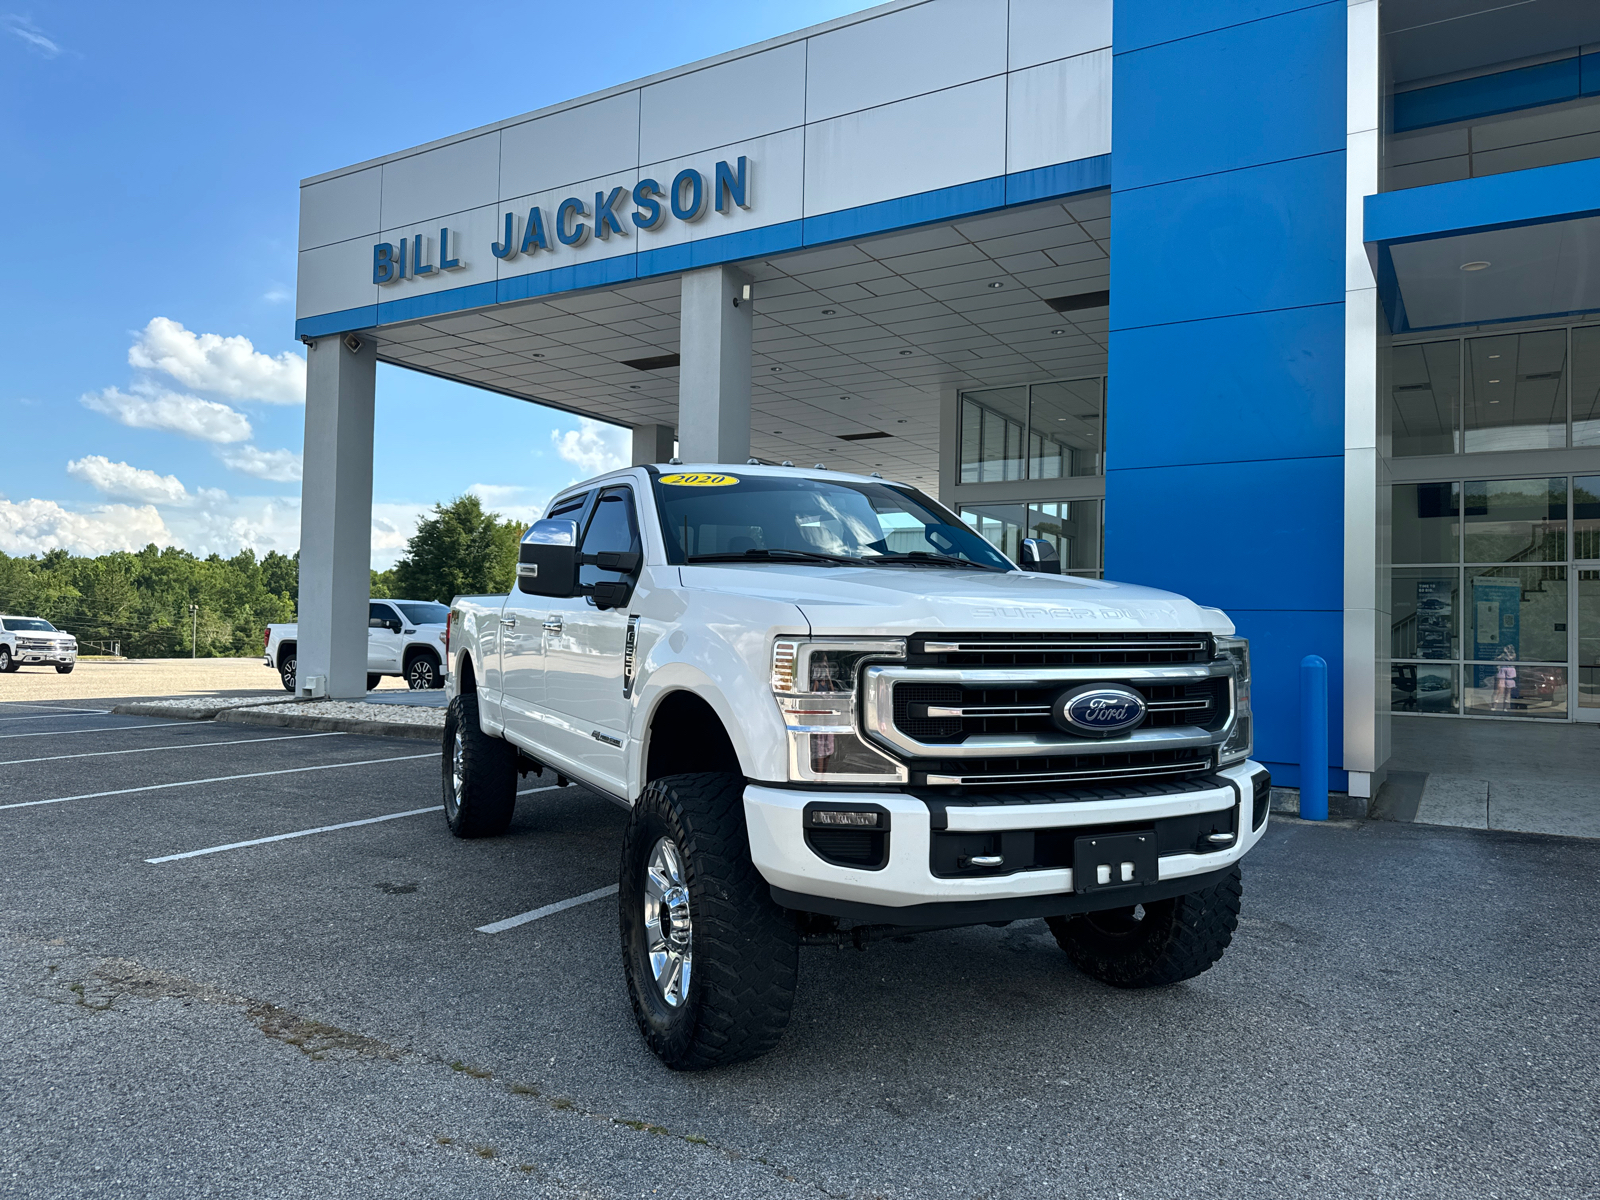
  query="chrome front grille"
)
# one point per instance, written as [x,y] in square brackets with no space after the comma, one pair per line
[970,710]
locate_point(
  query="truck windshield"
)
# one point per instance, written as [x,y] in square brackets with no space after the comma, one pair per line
[423,612]
[765,518]
[27,625]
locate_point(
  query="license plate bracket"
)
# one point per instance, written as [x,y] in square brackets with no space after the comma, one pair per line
[1114,861]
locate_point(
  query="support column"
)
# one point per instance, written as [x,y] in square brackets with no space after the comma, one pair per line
[652,444]
[714,343]
[336,518]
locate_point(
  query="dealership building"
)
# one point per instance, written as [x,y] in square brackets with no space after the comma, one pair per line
[1291,307]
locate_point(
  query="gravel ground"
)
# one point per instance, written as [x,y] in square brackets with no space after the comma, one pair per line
[148,678]
[355,710]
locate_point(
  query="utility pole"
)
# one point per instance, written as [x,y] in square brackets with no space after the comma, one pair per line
[194,633]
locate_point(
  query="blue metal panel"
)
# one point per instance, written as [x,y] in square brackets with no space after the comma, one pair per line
[364,317]
[1242,241]
[1258,386]
[431,304]
[1529,197]
[941,204]
[1063,179]
[749,243]
[1151,22]
[1279,639]
[1196,119]
[1589,74]
[1264,534]
[1485,95]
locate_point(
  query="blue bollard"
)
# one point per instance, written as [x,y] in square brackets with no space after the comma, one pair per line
[1313,738]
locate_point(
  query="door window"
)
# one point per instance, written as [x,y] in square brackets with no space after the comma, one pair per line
[611,529]
[381,612]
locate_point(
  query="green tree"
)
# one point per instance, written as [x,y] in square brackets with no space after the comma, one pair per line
[460,550]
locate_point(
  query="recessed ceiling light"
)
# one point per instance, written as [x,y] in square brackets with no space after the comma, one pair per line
[1058,332]
[1494,381]
[774,368]
[633,387]
[901,421]
[998,283]
[777,431]
[1474,266]
[906,353]
[828,312]
[844,397]
[1494,402]
[1494,356]
[538,354]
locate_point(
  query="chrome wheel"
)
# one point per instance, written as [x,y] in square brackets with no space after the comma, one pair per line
[457,770]
[667,924]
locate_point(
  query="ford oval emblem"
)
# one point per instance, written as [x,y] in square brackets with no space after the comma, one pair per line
[1098,709]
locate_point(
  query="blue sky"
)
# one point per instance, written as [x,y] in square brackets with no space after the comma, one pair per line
[150,383]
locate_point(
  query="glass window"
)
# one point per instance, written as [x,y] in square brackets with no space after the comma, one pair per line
[1425,393]
[1586,386]
[998,524]
[1065,430]
[1426,522]
[27,625]
[1073,528]
[1512,689]
[1589,639]
[1425,613]
[424,612]
[1516,614]
[1425,687]
[992,427]
[1586,516]
[1516,520]
[381,612]
[611,529]
[1516,391]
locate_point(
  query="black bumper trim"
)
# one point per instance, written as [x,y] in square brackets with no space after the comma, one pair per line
[982,912]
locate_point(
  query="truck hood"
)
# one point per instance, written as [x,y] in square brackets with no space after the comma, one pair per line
[901,600]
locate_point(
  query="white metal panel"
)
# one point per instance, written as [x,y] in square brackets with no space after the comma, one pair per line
[1059,112]
[559,255]
[471,233]
[761,93]
[905,53]
[934,141]
[450,179]
[334,278]
[340,208]
[775,186]
[574,144]
[1042,30]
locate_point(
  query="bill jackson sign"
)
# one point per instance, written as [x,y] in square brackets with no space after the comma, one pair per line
[575,221]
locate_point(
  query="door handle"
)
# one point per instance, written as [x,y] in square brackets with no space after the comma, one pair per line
[552,624]
[509,622]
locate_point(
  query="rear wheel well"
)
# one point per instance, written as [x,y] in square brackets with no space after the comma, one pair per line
[686,736]
[286,648]
[413,652]
[466,681]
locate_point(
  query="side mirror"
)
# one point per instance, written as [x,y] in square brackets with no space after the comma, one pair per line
[1039,555]
[547,560]
[377,623]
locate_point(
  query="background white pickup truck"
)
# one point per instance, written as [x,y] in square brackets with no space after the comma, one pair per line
[30,640]
[404,637]
[835,712]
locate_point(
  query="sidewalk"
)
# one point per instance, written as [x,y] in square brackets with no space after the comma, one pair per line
[1512,775]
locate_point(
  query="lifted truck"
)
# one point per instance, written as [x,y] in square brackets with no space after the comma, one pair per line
[834,713]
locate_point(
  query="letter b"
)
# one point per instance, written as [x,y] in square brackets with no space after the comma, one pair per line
[383,264]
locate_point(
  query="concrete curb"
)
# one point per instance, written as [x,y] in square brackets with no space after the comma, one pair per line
[284,720]
[157,708]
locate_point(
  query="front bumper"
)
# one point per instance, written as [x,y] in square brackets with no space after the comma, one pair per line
[906,890]
[53,655]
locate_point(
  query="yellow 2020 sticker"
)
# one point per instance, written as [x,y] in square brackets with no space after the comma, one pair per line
[692,480]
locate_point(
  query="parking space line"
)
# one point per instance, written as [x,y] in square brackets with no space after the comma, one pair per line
[9,704]
[65,712]
[547,910]
[299,833]
[156,787]
[287,737]
[98,729]
[531,791]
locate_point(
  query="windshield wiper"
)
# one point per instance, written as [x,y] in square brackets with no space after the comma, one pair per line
[928,558]
[779,554]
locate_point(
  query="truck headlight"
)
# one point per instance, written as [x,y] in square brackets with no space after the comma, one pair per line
[815,685]
[1241,742]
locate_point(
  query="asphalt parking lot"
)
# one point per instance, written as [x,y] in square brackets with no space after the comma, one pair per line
[1406,1011]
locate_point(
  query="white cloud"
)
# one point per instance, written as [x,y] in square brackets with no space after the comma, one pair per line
[279,466]
[31,34]
[124,482]
[36,526]
[149,407]
[512,501]
[594,446]
[277,294]
[231,366]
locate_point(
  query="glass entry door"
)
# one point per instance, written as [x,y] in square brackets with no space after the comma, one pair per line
[1586,596]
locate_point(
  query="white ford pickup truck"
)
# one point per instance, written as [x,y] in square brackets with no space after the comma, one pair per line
[404,637]
[835,713]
